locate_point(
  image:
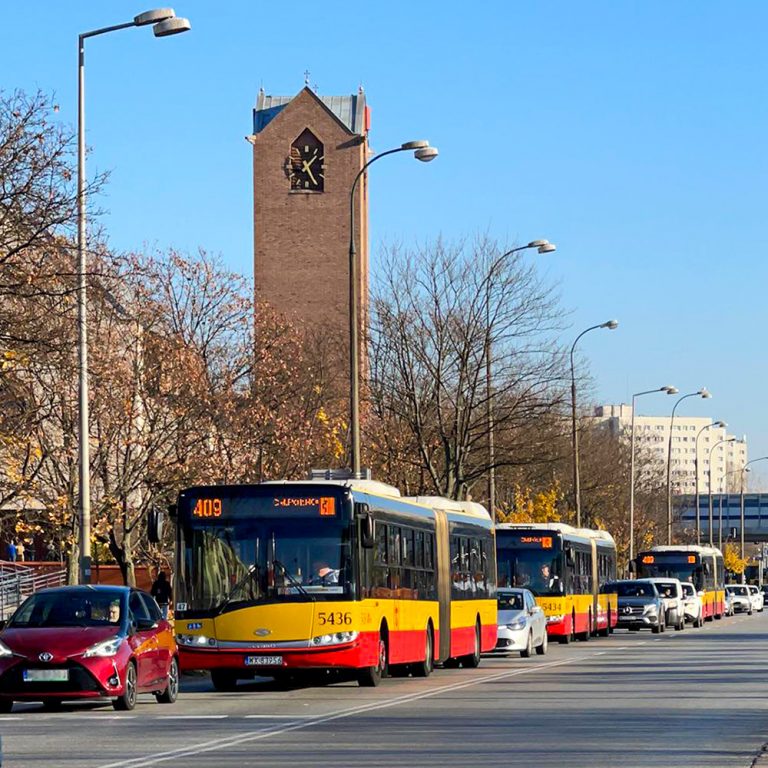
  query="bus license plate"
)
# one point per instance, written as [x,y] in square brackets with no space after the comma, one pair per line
[263,661]
[46,675]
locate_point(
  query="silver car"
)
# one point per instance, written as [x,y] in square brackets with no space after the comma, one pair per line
[671,592]
[522,623]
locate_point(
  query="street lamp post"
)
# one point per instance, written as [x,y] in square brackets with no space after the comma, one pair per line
[670,390]
[423,152]
[164,23]
[542,246]
[610,325]
[720,425]
[704,393]
[742,516]
[709,481]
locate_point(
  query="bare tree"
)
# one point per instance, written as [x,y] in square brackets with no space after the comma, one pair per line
[437,315]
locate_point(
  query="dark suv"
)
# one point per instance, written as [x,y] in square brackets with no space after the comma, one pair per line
[639,605]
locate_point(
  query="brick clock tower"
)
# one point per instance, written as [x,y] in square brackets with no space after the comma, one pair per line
[307,150]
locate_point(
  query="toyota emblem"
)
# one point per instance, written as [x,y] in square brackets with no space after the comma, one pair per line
[45,656]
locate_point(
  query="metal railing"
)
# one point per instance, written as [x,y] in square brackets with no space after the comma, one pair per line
[18,581]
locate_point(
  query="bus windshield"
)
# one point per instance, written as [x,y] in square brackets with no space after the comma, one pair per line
[672,568]
[257,553]
[529,564]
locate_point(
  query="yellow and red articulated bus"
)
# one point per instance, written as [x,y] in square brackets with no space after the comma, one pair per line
[565,568]
[281,577]
[702,566]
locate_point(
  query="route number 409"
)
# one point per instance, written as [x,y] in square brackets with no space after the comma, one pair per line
[334,617]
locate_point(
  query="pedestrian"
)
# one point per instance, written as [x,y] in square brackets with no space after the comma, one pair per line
[20,549]
[11,551]
[161,591]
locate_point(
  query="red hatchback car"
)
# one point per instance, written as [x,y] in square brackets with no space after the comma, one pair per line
[87,642]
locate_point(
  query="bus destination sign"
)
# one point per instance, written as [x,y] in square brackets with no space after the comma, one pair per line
[545,542]
[325,506]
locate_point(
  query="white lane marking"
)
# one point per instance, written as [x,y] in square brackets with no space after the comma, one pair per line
[222,743]
[276,717]
[190,717]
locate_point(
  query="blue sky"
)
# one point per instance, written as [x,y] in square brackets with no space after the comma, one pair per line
[632,134]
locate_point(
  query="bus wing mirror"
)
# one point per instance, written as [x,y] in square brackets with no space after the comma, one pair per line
[367,530]
[155,522]
[632,566]
[569,556]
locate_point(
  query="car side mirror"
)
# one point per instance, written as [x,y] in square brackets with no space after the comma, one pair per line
[144,625]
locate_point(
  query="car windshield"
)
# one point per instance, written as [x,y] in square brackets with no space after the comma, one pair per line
[633,589]
[738,591]
[688,590]
[510,601]
[666,588]
[75,608]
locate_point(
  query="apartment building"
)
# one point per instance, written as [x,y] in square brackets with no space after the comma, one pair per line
[652,435]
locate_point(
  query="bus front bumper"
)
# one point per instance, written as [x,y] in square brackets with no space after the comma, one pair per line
[360,652]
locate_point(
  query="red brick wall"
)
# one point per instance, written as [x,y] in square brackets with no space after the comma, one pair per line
[301,239]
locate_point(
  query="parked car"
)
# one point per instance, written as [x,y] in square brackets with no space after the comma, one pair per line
[740,599]
[756,598]
[693,608]
[639,605]
[522,623]
[87,642]
[671,592]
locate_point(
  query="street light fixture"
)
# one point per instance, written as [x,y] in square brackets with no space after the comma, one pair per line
[610,325]
[705,394]
[425,153]
[542,246]
[719,425]
[709,482]
[165,22]
[669,390]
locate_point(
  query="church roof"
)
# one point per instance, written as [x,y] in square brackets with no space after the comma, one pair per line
[350,110]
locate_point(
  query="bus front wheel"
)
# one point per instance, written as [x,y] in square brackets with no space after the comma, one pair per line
[370,677]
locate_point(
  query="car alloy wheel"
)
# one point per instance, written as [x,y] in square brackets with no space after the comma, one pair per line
[127,701]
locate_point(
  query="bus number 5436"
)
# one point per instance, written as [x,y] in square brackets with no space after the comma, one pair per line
[334,617]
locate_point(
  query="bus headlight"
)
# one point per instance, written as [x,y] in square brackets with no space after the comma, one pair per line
[196,641]
[334,639]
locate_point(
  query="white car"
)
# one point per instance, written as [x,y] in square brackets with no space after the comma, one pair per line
[740,599]
[522,623]
[692,605]
[671,593]
[756,598]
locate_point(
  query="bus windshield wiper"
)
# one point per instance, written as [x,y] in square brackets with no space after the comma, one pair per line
[291,580]
[253,571]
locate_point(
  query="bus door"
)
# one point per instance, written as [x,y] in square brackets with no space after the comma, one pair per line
[443,583]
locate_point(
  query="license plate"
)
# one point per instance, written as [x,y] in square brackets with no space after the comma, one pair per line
[263,661]
[46,675]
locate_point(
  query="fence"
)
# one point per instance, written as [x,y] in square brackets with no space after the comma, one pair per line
[18,581]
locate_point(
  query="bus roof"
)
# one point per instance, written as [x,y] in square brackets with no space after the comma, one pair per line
[692,548]
[587,533]
[366,486]
[469,508]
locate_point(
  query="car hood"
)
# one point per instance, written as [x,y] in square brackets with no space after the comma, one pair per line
[508,617]
[636,600]
[61,642]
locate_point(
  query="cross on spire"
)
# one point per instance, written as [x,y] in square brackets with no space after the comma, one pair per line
[306,76]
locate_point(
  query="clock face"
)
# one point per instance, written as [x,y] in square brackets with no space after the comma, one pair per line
[306,167]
